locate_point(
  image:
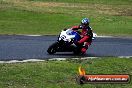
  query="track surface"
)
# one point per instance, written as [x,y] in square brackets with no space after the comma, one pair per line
[18,47]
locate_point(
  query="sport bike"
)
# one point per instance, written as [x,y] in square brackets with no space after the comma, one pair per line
[67,42]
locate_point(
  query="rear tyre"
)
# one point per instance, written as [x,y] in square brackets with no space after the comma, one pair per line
[77,51]
[53,48]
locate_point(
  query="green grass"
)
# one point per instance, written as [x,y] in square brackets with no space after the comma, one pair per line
[108,17]
[24,22]
[48,17]
[61,74]
[120,2]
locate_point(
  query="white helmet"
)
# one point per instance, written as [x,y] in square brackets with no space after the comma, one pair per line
[85,21]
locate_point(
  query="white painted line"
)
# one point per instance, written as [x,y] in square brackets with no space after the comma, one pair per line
[56,59]
[38,60]
[33,35]
[61,59]
[95,36]
[17,61]
[33,60]
[104,36]
[124,56]
[2,62]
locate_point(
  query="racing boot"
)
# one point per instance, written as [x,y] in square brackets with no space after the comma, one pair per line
[84,49]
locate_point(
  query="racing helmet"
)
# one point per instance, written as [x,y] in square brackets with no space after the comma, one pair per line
[85,22]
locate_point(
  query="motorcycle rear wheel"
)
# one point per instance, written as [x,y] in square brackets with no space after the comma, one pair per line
[77,51]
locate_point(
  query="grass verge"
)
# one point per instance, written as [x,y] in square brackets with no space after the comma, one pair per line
[61,74]
[51,16]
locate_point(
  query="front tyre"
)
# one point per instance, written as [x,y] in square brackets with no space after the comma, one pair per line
[53,48]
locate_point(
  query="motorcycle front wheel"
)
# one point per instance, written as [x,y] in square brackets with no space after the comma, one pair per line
[53,48]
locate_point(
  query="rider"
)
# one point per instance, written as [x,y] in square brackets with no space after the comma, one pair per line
[86,34]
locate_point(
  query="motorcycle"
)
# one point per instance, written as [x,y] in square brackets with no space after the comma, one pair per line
[66,42]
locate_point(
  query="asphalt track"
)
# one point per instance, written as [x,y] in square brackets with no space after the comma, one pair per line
[19,47]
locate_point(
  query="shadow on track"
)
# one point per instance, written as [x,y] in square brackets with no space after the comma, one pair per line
[71,55]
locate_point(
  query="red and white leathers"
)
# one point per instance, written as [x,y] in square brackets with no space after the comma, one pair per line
[86,34]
